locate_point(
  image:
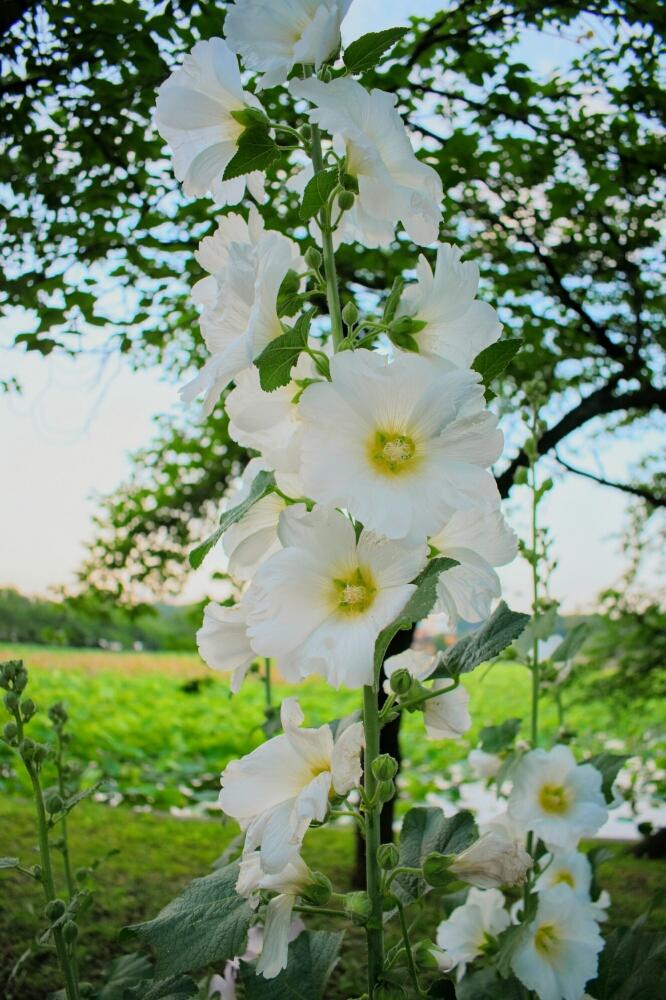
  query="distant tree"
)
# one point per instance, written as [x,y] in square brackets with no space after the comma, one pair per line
[553,182]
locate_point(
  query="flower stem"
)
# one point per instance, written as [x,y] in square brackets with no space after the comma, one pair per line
[332,294]
[536,671]
[267,682]
[375,926]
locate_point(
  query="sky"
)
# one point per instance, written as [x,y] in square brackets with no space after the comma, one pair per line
[67,439]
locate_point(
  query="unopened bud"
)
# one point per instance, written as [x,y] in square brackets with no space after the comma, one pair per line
[27,748]
[385,791]
[20,680]
[401,681]
[384,767]
[319,891]
[346,200]
[54,804]
[40,753]
[10,731]
[357,907]
[54,910]
[436,870]
[11,701]
[70,932]
[350,313]
[36,871]
[28,708]
[247,117]
[349,182]
[520,476]
[81,874]
[313,258]
[388,856]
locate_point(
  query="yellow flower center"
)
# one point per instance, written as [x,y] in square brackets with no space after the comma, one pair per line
[546,939]
[565,877]
[554,799]
[355,592]
[392,454]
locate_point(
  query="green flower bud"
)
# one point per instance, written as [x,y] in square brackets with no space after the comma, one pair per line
[87,990]
[350,313]
[306,131]
[28,708]
[346,200]
[401,681]
[436,870]
[27,748]
[313,258]
[21,680]
[250,116]
[81,874]
[36,871]
[385,791]
[388,856]
[70,932]
[358,907]
[349,182]
[54,910]
[520,476]
[10,731]
[384,767]
[319,891]
[11,701]
[54,804]
[40,753]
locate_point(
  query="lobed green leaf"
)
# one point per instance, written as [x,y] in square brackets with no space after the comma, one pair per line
[496,633]
[312,958]
[262,484]
[256,151]
[424,831]
[317,192]
[279,357]
[366,51]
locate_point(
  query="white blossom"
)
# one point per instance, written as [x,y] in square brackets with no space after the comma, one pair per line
[463,936]
[393,185]
[223,642]
[273,36]
[411,442]
[559,954]
[253,538]
[194,116]
[446,717]
[318,605]
[492,861]
[557,799]
[478,538]
[570,868]
[246,265]
[458,325]
[277,790]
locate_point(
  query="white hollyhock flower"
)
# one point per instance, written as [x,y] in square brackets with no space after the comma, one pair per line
[458,325]
[254,538]
[411,444]
[446,717]
[275,792]
[289,883]
[223,642]
[491,861]
[478,539]
[483,764]
[464,935]
[393,185]
[194,116]
[318,605]
[559,800]
[570,868]
[247,264]
[559,955]
[270,422]
[273,37]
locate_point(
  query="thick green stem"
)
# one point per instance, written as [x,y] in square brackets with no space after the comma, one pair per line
[332,294]
[375,925]
[536,670]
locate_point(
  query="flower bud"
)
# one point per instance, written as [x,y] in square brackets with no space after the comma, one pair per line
[81,874]
[401,681]
[28,708]
[313,258]
[357,907]
[54,910]
[54,804]
[491,861]
[70,932]
[319,891]
[21,679]
[10,731]
[346,200]
[40,753]
[350,313]
[306,131]
[436,870]
[384,767]
[388,856]
[36,871]
[520,476]
[247,117]
[27,748]
[11,701]
[385,791]
[349,182]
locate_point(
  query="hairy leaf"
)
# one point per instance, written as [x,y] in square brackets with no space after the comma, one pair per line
[173,988]
[279,357]
[493,360]
[317,192]
[256,151]
[487,641]
[630,966]
[123,973]
[487,984]
[424,831]
[289,298]
[366,51]
[312,958]
[261,485]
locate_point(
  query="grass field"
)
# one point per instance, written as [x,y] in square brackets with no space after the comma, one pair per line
[159,728]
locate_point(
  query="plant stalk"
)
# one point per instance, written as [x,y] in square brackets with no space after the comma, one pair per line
[332,294]
[375,925]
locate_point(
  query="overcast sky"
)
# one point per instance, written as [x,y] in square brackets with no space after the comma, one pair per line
[68,437]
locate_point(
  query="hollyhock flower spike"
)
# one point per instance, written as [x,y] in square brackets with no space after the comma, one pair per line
[446,717]
[557,799]
[412,443]
[393,185]
[279,789]
[195,116]
[247,264]
[559,954]
[273,36]
[318,605]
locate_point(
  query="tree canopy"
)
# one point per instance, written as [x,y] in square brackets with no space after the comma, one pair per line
[553,181]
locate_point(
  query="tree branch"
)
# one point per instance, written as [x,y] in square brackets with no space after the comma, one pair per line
[640,491]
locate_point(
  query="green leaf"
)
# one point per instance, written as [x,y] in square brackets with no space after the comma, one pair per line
[279,357]
[425,830]
[123,973]
[487,641]
[173,988]
[492,361]
[317,192]
[256,151]
[496,738]
[261,485]
[630,966]
[540,627]
[9,863]
[289,298]
[312,958]
[206,925]
[572,642]
[393,300]
[610,765]
[366,51]
[486,984]
[418,606]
